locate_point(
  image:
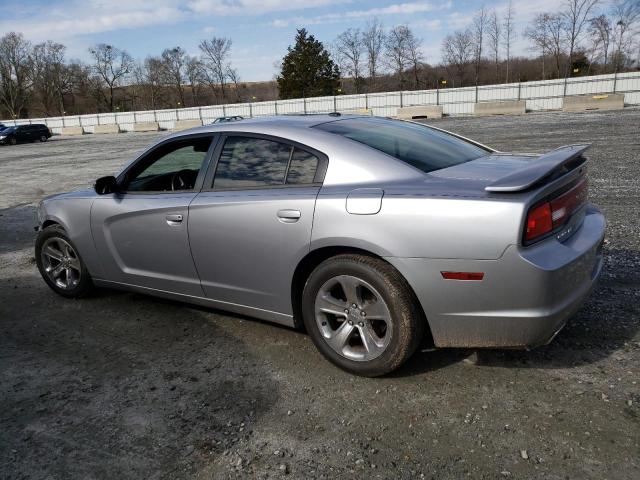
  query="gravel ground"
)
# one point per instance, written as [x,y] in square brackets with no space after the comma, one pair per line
[127,386]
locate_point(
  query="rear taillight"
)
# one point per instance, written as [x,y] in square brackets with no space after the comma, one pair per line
[550,215]
[567,203]
[539,222]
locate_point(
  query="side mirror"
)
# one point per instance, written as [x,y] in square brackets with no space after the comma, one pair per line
[105,185]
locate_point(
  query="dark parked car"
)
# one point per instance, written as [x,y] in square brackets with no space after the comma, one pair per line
[234,118]
[24,133]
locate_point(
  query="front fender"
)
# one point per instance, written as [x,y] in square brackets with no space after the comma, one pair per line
[73,214]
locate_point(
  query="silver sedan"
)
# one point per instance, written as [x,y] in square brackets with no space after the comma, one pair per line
[370,233]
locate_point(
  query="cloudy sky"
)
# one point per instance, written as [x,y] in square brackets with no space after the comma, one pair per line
[261,30]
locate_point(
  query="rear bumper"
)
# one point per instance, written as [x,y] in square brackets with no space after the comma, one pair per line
[525,298]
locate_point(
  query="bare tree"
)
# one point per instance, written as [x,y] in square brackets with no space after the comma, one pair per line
[397,51]
[480,20]
[457,51]
[508,36]
[110,65]
[600,32]
[78,87]
[234,77]
[50,76]
[195,76]
[373,38]
[414,57]
[349,47]
[173,68]
[149,75]
[555,25]
[545,33]
[15,73]
[215,54]
[626,15]
[576,15]
[494,30]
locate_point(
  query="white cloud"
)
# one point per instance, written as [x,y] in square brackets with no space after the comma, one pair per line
[395,9]
[252,7]
[88,19]
[426,24]
[70,18]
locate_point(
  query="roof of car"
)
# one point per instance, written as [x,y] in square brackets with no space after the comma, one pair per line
[308,120]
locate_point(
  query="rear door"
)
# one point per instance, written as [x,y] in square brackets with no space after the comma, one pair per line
[140,232]
[252,224]
[23,133]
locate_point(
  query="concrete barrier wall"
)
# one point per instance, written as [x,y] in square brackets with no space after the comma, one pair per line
[146,127]
[71,131]
[185,124]
[540,95]
[430,111]
[499,108]
[102,129]
[582,103]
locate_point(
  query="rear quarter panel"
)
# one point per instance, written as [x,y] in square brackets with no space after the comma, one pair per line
[420,226]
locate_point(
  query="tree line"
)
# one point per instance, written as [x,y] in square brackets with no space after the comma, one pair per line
[582,37]
[39,80]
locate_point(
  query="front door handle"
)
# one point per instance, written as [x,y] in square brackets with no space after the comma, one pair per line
[289,216]
[174,218]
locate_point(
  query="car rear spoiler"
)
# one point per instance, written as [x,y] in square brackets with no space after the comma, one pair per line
[539,169]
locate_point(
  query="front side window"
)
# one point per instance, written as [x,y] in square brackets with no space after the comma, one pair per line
[425,148]
[247,162]
[170,167]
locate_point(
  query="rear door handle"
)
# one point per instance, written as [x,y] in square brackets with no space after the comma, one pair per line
[289,216]
[174,218]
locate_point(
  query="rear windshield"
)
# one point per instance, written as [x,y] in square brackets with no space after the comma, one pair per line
[420,146]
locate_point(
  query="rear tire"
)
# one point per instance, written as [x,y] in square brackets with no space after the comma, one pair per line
[361,314]
[60,264]
[43,138]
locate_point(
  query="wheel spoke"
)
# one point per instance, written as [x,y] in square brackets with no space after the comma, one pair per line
[67,250]
[70,280]
[350,288]
[329,304]
[341,336]
[372,343]
[75,264]
[376,310]
[53,253]
[56,271]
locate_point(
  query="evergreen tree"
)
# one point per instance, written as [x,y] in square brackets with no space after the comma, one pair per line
[307,69]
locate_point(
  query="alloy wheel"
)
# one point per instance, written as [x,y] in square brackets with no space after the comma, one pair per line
[353,318]
[61,263]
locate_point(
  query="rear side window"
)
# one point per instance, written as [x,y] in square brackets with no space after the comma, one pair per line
[303,167]
[247,162]
[420,146]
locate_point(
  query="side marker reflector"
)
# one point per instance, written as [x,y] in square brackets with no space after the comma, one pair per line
[462,275]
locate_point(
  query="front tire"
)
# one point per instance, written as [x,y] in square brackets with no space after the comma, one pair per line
[361,314]
[60,263]
[43,138]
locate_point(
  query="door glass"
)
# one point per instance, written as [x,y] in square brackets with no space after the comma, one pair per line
[251,162]
[171,167]
[303,167]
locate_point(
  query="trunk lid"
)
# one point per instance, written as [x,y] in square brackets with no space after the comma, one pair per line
[511,173]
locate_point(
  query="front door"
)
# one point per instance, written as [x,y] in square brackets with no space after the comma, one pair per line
[252,224]
[140,232]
